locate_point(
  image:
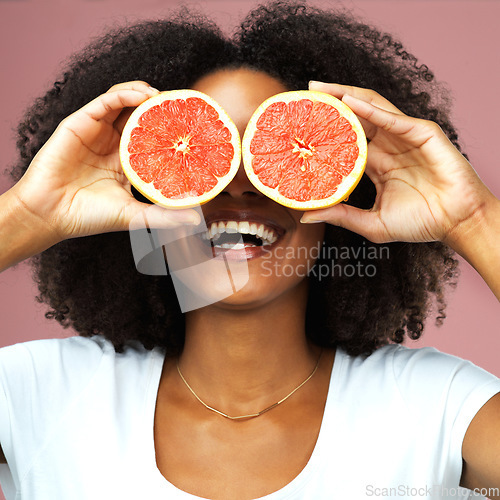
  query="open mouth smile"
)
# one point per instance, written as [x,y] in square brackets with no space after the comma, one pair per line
[241,234]
[237,235]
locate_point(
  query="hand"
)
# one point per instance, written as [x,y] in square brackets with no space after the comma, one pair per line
[425,188]
[75,185]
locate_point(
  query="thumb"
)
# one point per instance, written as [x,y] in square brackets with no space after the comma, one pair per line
[367,223]
[140,215]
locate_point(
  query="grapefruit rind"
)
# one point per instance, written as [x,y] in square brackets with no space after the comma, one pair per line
[147,189]
[347,184]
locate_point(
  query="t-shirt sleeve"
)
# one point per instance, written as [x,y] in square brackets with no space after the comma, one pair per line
[451,389]
[38,382]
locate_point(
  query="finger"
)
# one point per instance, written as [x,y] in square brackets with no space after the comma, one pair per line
[366,95]
[367,223]
[106,107]
[394,123]
[109,105]
[139,85]
[138,215]
[339,91]
[122,119]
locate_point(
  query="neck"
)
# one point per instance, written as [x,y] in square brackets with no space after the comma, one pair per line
[244,360]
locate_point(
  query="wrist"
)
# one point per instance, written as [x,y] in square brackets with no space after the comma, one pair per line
[22,232]
[477,229]
[477,240]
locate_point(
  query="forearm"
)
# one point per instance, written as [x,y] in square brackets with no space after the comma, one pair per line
[477,240]
[22,234]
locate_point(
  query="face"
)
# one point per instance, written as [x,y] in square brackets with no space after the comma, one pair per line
[283,249]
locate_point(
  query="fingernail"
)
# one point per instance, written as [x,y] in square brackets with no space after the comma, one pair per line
[156,91]
[310,221]
[314,82]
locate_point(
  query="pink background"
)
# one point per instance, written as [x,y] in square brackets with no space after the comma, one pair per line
[457,39]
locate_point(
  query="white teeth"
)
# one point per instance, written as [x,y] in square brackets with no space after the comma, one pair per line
[238,246]
[244,227]
[267,235]
[231,227]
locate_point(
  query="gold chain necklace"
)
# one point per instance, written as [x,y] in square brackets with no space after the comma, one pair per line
[252,415]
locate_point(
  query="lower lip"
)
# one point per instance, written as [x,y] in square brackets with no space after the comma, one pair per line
[247,253]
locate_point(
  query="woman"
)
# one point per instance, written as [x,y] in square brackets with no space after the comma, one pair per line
[291,387]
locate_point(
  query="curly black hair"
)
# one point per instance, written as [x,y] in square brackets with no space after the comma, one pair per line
[92,284]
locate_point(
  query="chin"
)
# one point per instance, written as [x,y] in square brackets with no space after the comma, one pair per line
[259,292]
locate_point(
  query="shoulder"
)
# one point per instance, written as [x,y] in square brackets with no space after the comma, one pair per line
[48,374]
[427,378]
[419,375]
[403,361]
[54,352]
[431,367]
[95,346]
[48,387]
[66,359]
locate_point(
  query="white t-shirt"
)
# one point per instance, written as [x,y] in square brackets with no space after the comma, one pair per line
[76,423]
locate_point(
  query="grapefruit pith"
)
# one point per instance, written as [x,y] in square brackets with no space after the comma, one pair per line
[304,149]
[180,149]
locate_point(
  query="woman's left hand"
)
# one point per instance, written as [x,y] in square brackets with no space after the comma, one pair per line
[425,188]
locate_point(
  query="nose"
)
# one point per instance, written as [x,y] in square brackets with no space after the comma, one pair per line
[241,185]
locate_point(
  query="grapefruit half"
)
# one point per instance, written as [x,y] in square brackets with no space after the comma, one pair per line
[180,149]
[304,149]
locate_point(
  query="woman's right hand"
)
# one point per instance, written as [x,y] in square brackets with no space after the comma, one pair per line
[75,185]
